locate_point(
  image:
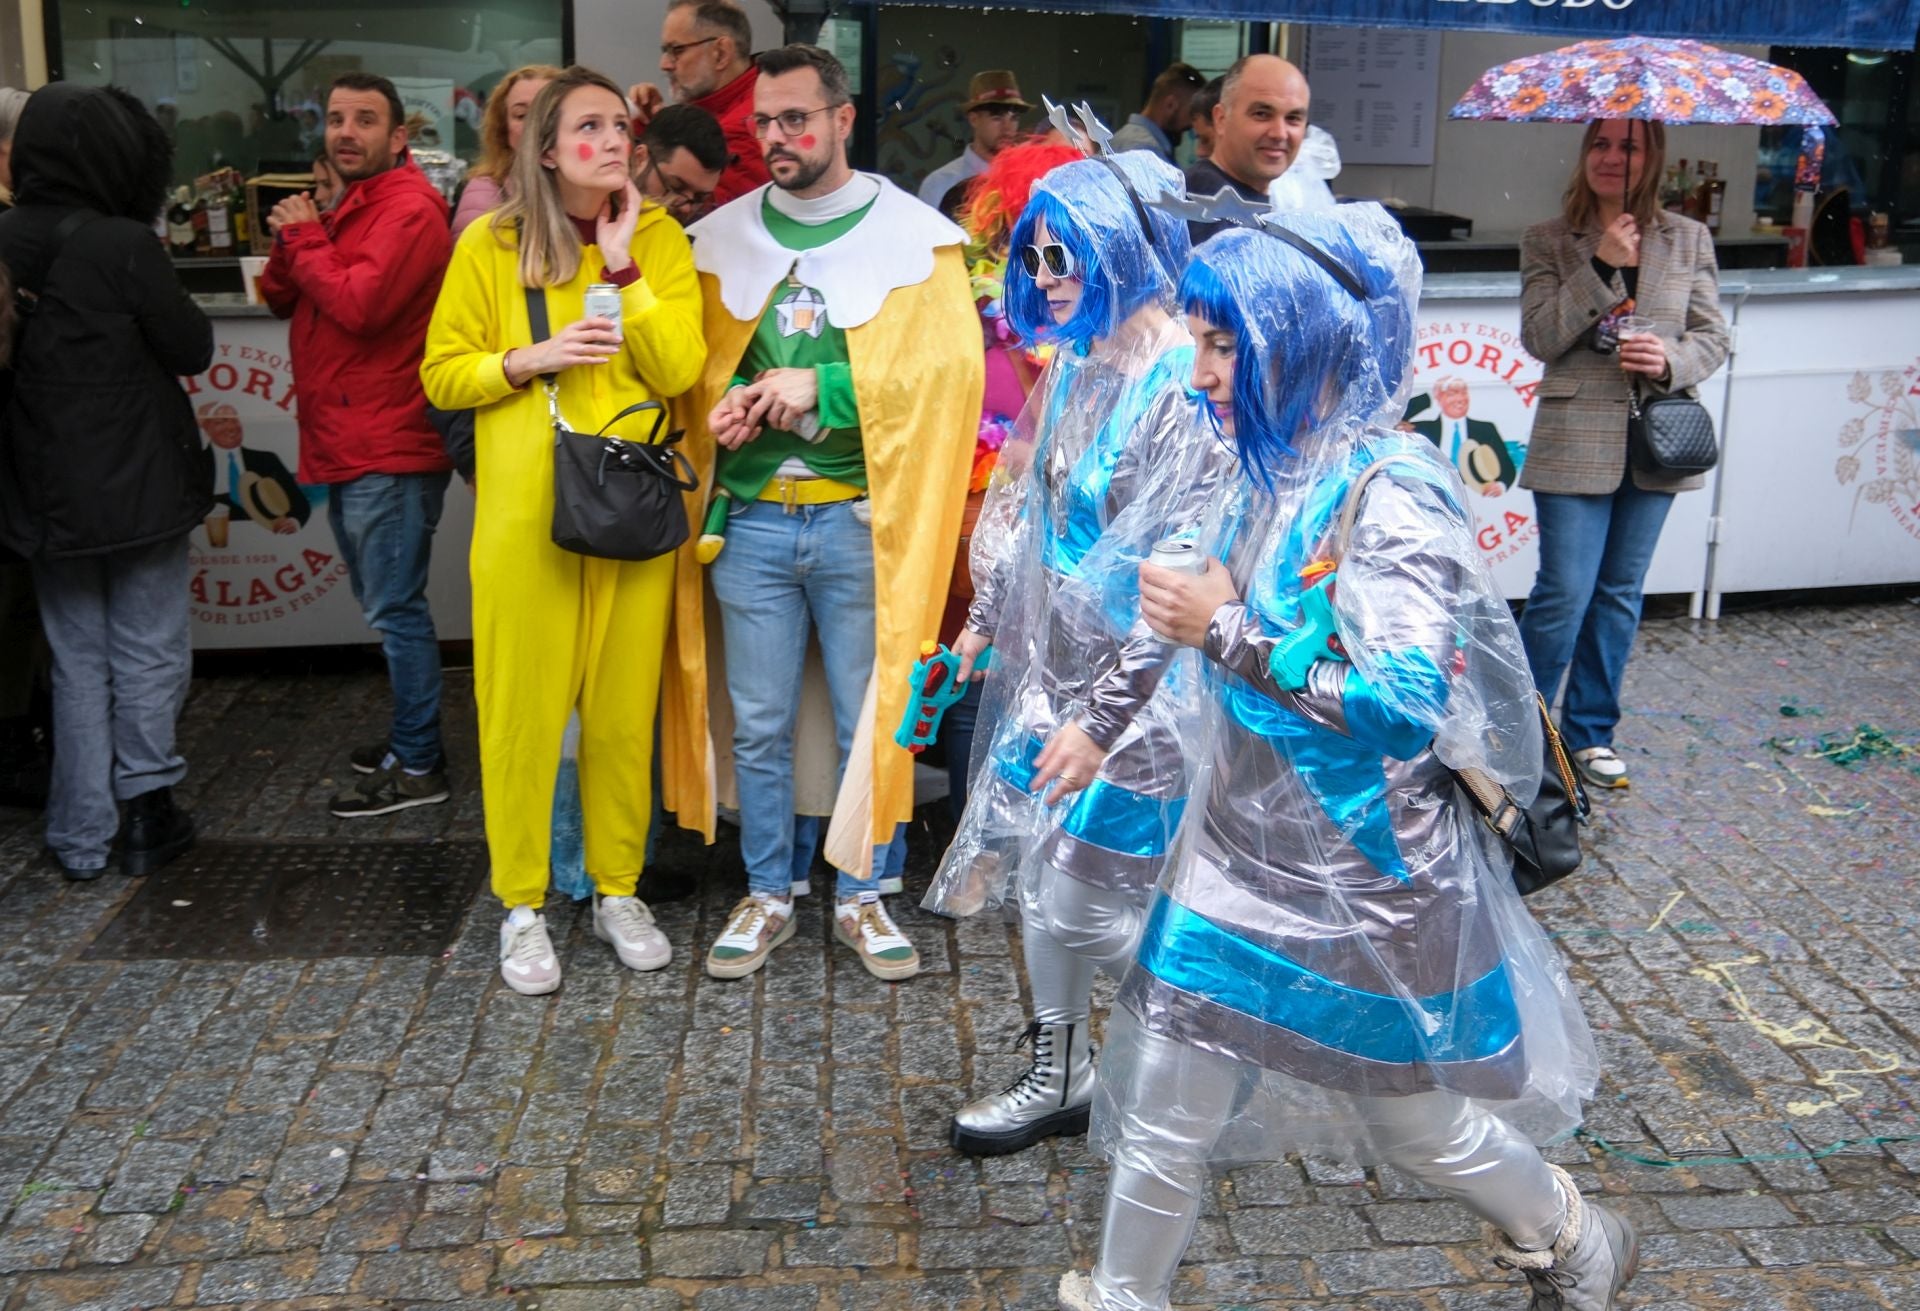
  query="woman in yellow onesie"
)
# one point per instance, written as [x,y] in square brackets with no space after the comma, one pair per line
[553,630]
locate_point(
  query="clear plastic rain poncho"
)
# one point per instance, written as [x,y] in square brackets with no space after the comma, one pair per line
[1337,955]
[1304,186]
[1111,455]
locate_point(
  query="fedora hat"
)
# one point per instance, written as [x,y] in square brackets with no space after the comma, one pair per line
[996,86]
[263,499]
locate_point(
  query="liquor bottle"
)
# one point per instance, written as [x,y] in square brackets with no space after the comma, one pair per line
[1712,196]
[1672,190]
[237,206]
[202,236]
[219,224]
[180,225]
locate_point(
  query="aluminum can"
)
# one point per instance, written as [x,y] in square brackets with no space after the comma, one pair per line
[1180,554]
[603,302]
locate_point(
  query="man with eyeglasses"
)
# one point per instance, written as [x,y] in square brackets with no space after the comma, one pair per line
[993,111]
[706,51]
[842,390]
[679,160]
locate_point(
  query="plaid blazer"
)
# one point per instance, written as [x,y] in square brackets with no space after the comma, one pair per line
[1579,441]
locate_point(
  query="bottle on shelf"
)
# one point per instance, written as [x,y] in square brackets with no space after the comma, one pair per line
[219,224]
[1712,196]
[202,235]
[237,208]
[180,224]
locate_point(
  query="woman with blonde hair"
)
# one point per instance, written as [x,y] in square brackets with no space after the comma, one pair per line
[553,630]
[500,126]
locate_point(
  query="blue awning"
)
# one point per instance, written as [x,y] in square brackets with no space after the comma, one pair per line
[1860,24]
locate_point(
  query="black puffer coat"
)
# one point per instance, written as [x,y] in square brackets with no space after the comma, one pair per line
[98,445]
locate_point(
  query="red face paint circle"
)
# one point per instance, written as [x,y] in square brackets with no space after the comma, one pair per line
[585,151]
[807,142]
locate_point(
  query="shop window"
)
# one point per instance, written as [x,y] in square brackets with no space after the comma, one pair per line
[242,85]
[1874,153]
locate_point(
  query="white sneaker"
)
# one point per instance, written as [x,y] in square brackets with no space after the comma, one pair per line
[627,925]
[527,959]
[870,931]
[755,927]
[1600,767]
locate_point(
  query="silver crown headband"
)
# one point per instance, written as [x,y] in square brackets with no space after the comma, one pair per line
[1093,139]
[1229,206]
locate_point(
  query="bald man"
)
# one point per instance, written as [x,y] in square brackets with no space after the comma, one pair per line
[1257,130]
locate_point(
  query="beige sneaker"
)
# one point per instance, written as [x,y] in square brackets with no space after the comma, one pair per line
[870,931]
[753,930]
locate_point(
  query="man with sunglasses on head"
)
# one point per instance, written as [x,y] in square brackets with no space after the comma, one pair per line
[993,111]
[838,409]
[706,51]
[680,159]
[1166,116]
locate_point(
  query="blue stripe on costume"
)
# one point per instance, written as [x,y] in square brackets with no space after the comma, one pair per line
[1105,814]
[1472,1023]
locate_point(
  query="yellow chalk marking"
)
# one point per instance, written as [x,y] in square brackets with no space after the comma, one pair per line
[1672,901]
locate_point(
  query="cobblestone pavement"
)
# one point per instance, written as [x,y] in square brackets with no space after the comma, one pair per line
[359,1132]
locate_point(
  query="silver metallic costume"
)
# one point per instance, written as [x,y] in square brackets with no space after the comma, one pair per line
[1337,961]
[1056,562]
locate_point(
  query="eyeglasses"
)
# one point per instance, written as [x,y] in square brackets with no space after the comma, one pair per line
[679,196]
[1058,259]
[674,49]
[791,122]
[1000,111]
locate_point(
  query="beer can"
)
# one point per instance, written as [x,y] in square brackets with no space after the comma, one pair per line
[1180,554]
[603,302]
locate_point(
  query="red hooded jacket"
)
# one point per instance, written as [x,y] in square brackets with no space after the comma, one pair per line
[359,286]
[732,104]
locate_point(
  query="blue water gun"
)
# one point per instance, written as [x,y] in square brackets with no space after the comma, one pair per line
[934,689]
[1317,637]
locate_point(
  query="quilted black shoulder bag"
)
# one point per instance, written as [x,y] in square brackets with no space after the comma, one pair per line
[1543,837]
[613,498]
[1670,435]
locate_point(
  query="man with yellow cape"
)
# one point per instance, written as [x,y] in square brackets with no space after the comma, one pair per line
[834,429]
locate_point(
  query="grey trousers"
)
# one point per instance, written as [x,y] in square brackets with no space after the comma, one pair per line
[1160,1167]
[1070,929]
[122,658]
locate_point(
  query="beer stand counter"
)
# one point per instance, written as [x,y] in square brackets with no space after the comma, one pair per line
[266,571]
[1818,411]
[1818,485]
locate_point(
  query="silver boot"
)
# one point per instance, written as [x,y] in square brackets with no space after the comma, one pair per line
[1595,1255]
[1054,1096]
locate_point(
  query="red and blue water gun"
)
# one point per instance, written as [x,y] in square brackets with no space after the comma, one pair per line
[935,687]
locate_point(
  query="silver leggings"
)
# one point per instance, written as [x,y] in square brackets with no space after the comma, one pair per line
[1069,929]
[1160,1168]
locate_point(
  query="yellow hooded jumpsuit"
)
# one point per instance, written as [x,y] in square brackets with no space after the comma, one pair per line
[553,630]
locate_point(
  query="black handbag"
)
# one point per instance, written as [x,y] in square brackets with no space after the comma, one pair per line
[1670,435]
[1543,837]
[613,498]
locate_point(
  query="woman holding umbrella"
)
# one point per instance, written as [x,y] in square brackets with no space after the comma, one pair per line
[1617,294]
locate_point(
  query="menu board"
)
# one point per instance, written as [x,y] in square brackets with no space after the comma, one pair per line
[1376,91]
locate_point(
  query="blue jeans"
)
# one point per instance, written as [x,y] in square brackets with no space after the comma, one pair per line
[383,523]
[889,861]
[781,576]
[122,659]
[1585,605]
[956,735]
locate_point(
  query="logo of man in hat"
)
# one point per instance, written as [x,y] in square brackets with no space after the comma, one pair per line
[251,482]
[993,109]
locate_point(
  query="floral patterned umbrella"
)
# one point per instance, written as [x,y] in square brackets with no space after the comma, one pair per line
[1641,77]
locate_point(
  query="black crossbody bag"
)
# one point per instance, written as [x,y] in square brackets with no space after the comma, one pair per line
[613,498]
[1544,837]
[1670,435]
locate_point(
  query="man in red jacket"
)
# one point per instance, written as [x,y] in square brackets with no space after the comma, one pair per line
[706,52]
[359,283]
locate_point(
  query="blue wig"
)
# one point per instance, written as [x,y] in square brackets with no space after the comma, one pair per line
[1302,340]
[1087,208]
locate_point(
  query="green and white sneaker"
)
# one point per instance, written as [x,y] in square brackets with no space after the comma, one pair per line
[863,924]
[756,926]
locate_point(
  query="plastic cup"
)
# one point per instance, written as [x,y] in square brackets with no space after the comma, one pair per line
[251,267]
[1634,325]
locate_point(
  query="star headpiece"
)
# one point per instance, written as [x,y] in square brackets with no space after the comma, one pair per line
[1093,139]
[1229,206]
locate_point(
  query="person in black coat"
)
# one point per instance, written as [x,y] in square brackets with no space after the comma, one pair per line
[102,467]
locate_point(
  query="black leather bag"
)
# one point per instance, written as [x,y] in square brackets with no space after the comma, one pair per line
[1670,435]
[1544,837]
[612,498]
